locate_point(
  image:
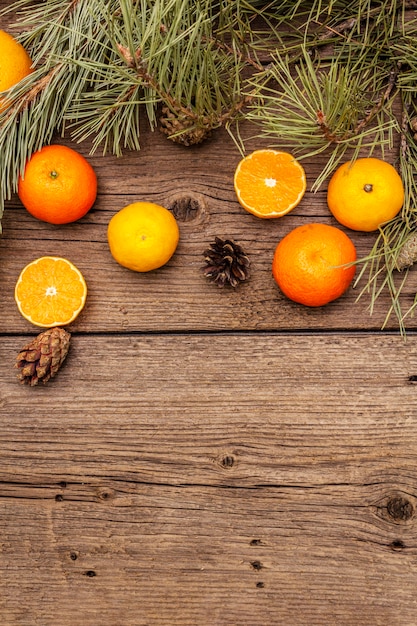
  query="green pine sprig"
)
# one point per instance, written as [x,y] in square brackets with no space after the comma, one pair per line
[334,107]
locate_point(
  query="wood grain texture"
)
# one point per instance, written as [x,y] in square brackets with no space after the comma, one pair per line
[177,297]
[193,491]
[204,457]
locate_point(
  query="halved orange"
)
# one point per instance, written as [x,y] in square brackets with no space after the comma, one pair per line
[50,291]
[269,183]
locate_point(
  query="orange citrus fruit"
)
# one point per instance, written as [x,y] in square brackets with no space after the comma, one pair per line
[269,183]
[366,193]
[308,264]
[58,185]
[15,62]
[143,236]
[50,291]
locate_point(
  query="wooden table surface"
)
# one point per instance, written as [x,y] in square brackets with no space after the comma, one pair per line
[205,456]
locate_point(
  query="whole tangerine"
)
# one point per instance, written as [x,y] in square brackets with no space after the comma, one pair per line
[314,264]
[58,185]
[15,62]
[364,194]
[143,236]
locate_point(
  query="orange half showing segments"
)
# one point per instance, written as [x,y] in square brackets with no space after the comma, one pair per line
[50,291]
[269,183]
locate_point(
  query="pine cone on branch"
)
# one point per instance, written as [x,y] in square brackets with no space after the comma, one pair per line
[226,263]
[182,129]
[42,357]
[407,255]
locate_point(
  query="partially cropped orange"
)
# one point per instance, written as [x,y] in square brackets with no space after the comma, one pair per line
[269,183]
[365,193]
[50,291]
[143,236]
[15,62]
[311,264]
[58,185]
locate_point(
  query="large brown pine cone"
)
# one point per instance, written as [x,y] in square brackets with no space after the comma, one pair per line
[42,357]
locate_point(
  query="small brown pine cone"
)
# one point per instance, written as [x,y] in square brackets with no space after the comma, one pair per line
[407,255]
[42,357]
[226,263]
[182,129]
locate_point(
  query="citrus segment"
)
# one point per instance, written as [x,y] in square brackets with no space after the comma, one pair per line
[311,264]
[269,183]
[143,236]
[58,185]
[50,291]
[364,194]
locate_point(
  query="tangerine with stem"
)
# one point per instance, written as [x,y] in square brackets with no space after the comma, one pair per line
[314,264]
[364,194]
[58,185]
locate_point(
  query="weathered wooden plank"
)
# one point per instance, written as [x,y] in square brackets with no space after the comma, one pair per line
[156,481]
[178,297]
[305,409]
[166,555]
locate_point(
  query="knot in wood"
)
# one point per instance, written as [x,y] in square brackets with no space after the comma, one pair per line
[187,206]
[104,493]
[400,509]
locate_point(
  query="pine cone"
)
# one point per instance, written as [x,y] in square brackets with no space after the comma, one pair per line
[407,255]
[182,129]
[226,263]
[40,359]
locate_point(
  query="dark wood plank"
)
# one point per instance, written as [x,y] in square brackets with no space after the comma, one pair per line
[178,297]
[154,482]
[204,556]
[306,409]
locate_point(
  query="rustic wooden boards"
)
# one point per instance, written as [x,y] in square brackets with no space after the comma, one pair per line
[205,456]
[178,297]
[211,479]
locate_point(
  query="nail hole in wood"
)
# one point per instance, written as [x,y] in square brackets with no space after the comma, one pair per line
[413,378]
[63,484]
[228,461]
[59,497]
[255,542]
[260,585]
[397,545]
[73,555]
[90,573]
[257,565]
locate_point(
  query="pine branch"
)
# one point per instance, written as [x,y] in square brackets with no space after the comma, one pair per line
[394,248]
[36,106]
[172,56]
[329,107]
